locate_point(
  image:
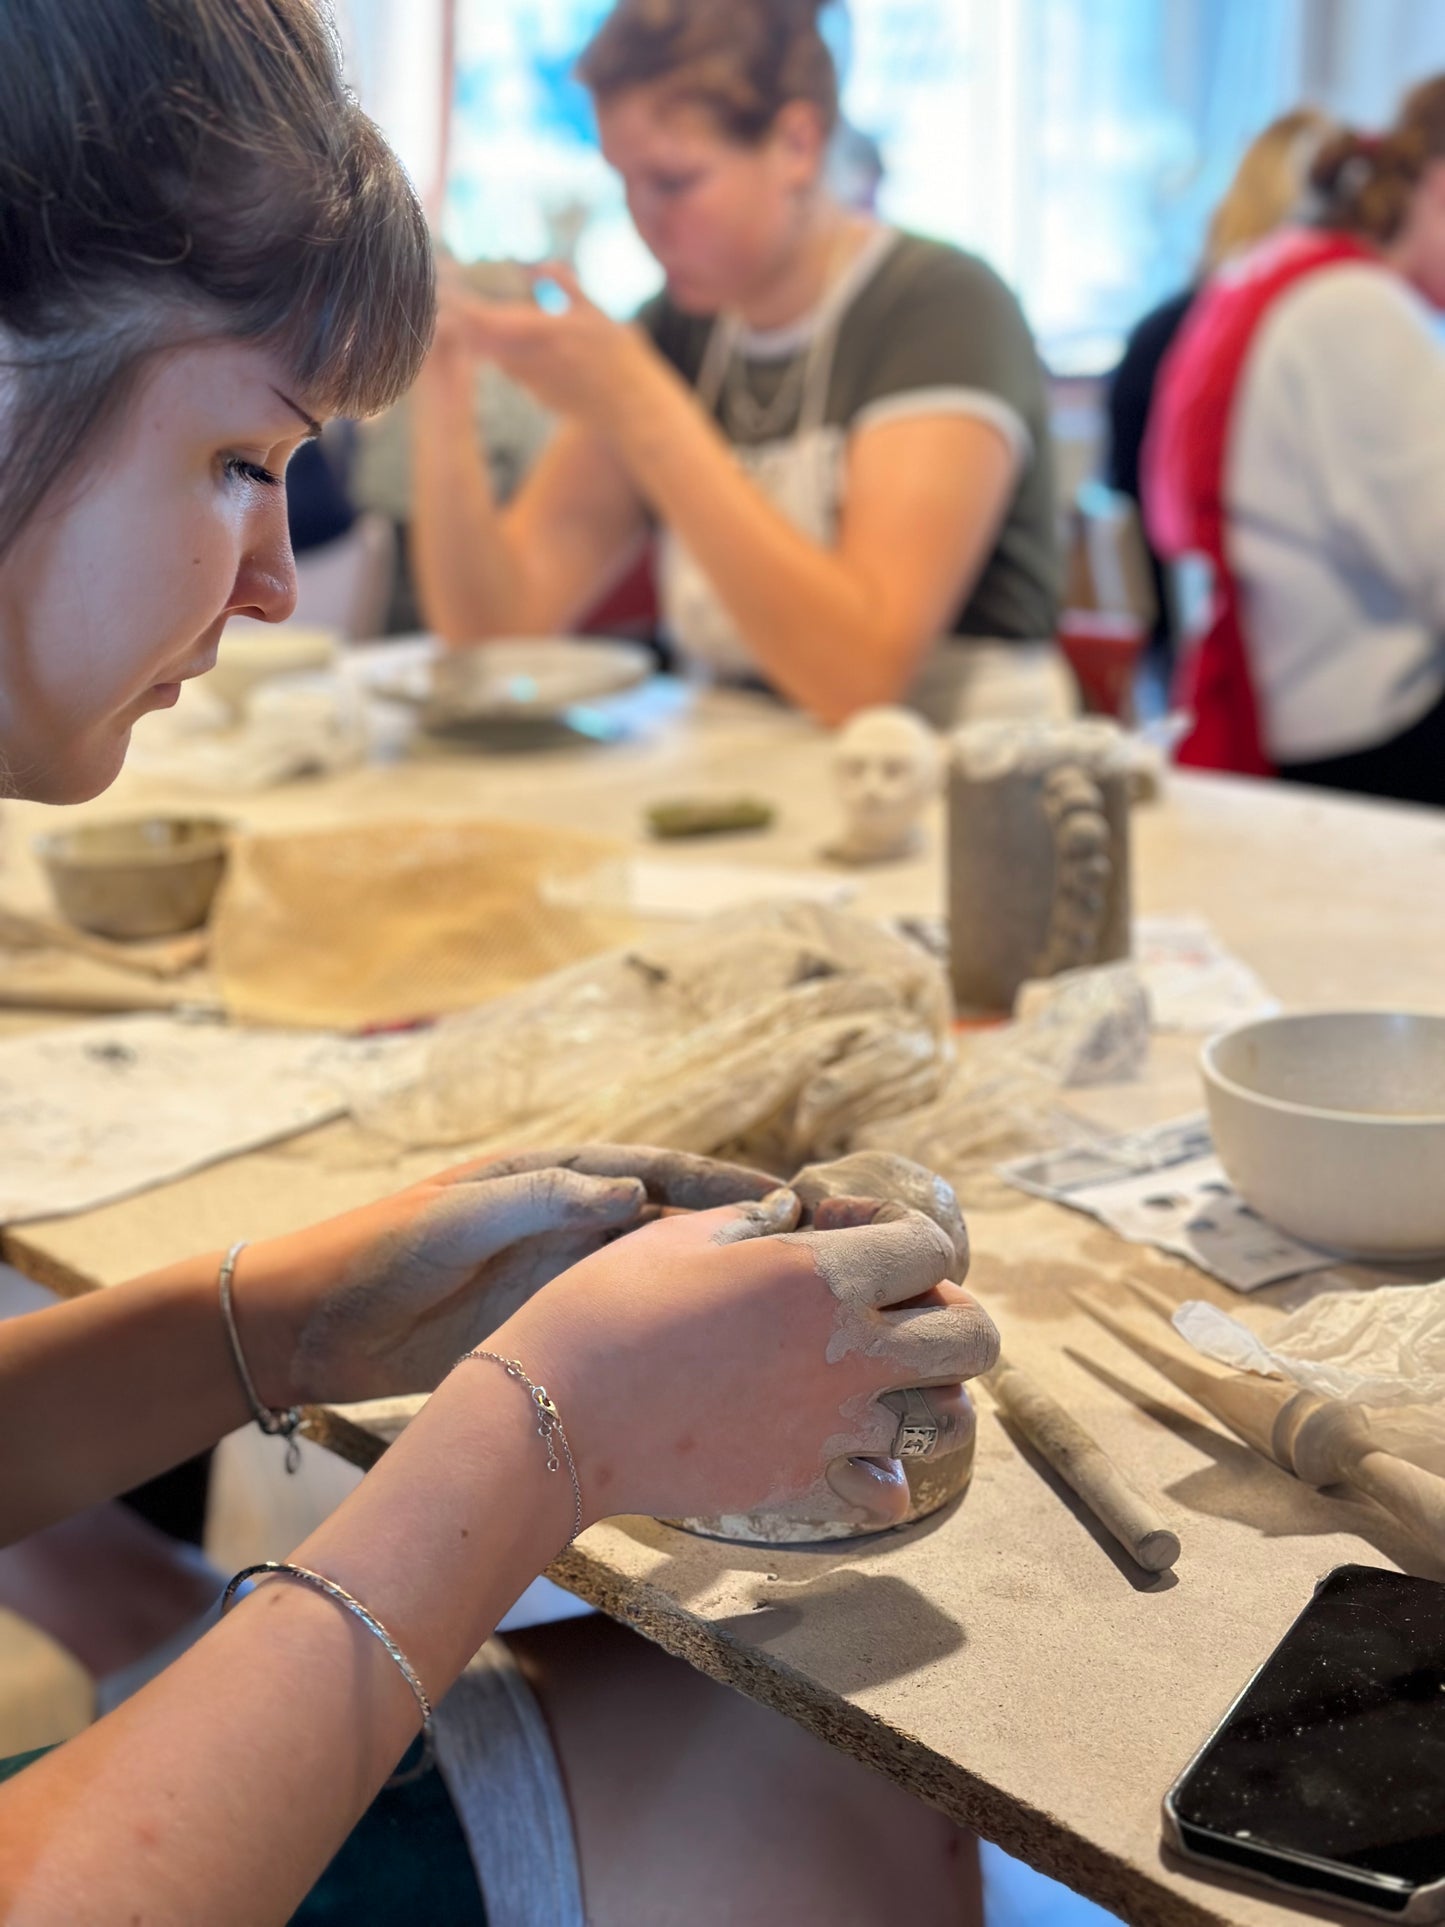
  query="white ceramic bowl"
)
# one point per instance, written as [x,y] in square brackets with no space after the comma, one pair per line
[1331,1124]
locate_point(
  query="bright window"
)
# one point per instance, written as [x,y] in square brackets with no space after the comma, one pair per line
[1077,144]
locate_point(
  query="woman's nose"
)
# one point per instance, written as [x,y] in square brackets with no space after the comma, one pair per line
[265,585]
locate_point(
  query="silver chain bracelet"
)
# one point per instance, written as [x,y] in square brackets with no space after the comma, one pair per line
[275,1424]
[320,1583]
[549,1426]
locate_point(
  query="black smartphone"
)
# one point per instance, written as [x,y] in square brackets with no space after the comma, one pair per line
[1327,1775]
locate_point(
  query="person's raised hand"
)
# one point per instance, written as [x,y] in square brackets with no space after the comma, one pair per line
[576,360]
[719,1363]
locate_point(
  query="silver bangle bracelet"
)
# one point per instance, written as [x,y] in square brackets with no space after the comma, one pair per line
[275,1424]
[320,1583]
[549,1425]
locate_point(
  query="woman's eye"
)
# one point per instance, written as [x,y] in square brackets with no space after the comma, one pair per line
[244,471]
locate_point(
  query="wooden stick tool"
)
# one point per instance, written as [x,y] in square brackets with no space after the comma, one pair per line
[1082,1463]
[1321,1440]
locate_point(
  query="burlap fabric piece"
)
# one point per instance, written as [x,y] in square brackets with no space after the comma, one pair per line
[382,923]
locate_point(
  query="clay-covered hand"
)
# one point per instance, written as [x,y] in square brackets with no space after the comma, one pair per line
[384,1299]
[721,1363]
[825,1190]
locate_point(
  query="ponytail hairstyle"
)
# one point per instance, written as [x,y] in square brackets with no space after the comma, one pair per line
[175,171]
[1366,182]
[741,60]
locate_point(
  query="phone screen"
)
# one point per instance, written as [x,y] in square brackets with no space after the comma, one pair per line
[1336,1750]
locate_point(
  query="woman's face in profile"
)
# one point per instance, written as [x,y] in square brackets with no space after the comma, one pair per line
[1425,235]
[719,216]
[118,588]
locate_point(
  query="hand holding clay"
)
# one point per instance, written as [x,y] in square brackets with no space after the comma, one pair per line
[385,1299]
[719,1363]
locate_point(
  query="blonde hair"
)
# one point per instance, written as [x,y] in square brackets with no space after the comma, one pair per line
[1268,184]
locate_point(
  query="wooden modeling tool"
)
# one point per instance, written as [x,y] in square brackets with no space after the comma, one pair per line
[1082,1463]
[1321,1440]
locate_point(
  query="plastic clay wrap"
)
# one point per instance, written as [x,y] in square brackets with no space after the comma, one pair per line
[1381,1347]
[770,1034]
[1002,1099]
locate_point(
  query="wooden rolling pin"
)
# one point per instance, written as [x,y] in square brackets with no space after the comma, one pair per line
[1321,1440]
[1082,1463]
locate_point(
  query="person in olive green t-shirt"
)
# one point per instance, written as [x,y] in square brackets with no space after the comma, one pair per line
[837,433]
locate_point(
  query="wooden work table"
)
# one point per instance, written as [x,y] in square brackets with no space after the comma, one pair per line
[1002,1659]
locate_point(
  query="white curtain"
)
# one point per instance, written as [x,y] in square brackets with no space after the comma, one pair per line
[1362,54]
[397,58]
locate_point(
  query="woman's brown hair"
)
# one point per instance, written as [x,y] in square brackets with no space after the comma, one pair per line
[178,170]
[1365,182]
[742,60]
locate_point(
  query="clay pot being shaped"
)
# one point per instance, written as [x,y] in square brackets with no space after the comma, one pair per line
[932,1483]
[1038,854]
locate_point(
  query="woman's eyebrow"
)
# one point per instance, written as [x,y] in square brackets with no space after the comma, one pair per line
[313,428]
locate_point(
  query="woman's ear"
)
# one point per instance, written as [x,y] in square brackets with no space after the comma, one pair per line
[800,141]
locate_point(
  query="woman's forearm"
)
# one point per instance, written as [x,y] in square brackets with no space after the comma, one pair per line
[816,629]
[104,1391]
[470,581]
[281,1724]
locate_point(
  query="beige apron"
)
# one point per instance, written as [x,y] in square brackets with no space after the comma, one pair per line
[800,474]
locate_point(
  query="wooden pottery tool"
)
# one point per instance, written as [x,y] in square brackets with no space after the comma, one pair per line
[1321,1440]
[170,957]
[1085,1467]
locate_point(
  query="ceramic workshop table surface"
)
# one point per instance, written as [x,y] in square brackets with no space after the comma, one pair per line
[1001,1659]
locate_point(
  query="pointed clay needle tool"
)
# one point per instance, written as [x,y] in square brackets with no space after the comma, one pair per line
[1082,1464]
[1156,1300]
[1321,1440]
[1250,1407]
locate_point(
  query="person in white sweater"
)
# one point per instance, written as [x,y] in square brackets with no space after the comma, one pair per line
[1323,350]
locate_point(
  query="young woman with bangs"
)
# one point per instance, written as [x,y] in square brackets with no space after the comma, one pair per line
[205,250]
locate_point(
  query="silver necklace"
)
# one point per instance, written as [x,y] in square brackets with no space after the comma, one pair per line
[749,420]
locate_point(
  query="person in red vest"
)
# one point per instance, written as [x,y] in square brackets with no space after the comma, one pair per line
[1297,447]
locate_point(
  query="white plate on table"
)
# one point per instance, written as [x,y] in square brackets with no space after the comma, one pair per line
[512,681]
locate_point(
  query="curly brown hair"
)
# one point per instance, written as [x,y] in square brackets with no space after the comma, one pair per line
[178,170]
[742,60]
[1365,182]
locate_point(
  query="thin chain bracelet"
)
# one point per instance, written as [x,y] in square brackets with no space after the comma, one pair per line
[549,1426]
[320,1583]
[275,1424]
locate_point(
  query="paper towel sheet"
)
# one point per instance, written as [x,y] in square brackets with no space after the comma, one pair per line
[103,1110]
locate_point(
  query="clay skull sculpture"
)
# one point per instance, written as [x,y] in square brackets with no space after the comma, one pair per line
[886,765]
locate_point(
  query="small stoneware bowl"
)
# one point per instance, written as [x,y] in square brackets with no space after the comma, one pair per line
[1331,1124]
[143,877]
